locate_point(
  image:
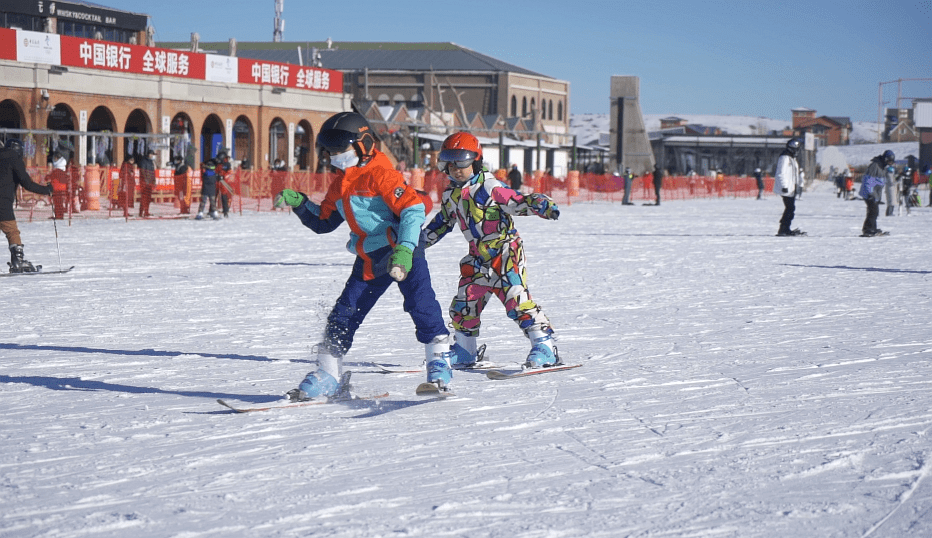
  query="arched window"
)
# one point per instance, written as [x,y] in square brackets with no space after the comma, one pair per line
[514,106]
[278,142]
[550,110]
[559,110]
[523,106]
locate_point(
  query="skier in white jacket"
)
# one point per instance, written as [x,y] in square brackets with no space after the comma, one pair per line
[787,181]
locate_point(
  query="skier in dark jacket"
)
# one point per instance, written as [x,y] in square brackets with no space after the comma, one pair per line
[514,178]
[208,190]
[658,181]
[13,174]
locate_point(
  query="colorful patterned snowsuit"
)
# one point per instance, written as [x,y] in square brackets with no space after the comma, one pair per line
[482,208]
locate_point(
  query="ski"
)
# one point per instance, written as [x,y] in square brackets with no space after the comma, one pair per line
[481,364]
[511,374]
[476,366]
[878,234]
[287,404]
[389,369]
[431,389]
[40,272]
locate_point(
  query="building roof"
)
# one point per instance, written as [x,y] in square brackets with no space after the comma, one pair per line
[356,56]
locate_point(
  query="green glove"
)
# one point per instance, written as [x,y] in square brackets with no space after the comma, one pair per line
[290,197]
[400,262]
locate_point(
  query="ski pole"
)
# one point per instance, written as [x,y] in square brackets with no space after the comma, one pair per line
[57,247]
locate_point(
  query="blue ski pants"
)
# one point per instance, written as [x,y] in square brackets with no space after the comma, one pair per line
[359,296]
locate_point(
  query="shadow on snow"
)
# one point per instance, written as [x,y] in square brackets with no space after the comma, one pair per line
[78,384]
[141,352]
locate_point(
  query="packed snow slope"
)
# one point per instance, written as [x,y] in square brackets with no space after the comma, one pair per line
[734,383]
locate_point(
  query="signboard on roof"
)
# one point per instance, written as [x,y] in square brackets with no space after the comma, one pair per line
[38,47]
[290,76]
[83,52]
[83,13]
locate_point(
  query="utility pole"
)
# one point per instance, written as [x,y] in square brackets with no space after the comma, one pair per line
[279,21]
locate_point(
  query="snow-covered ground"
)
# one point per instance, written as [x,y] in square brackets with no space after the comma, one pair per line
[734,384]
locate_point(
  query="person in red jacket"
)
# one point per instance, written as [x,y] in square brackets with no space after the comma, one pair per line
[385,217]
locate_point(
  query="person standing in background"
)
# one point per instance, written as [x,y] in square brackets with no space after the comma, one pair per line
[658,181]
[787,182]
[147,177]
[759,177]
[514,178]
[872,186]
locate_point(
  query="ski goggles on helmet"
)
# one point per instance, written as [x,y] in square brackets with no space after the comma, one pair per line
[460,158]
[335,140]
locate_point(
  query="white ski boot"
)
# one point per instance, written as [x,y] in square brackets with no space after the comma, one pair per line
[439,358]
[465,350]
[543,351]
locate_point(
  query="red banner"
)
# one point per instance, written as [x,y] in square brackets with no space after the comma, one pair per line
[291,76]
[124,58]
[83,52]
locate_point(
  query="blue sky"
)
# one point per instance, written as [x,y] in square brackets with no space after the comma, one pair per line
[739,57]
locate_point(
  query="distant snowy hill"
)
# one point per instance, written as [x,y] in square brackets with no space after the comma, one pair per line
[593,128]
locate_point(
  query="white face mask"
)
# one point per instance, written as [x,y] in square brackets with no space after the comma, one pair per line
[344,160]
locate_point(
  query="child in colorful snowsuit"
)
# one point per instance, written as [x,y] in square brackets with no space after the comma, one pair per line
[385,217]
[481,206]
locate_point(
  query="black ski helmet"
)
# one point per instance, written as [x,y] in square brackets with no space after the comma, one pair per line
[343,131]
[889,157]
[16,145]
[793,145]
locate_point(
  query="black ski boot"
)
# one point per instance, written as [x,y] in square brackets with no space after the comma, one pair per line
[18,264]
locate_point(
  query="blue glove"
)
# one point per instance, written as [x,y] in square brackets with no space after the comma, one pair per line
[289,197]
[399,264]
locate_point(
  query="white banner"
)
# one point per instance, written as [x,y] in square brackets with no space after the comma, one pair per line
[38,47]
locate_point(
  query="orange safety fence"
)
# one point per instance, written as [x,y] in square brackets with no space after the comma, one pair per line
[95,192]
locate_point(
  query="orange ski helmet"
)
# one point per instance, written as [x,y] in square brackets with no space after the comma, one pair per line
[461,150]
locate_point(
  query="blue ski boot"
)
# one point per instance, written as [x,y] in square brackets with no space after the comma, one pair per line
[321,382]
[439,356]
[543,352]
[315,385]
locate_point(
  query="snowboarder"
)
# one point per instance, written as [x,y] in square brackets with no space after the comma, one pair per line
[481,206]
[879,172]
[13,174]
[385,217]
[787,181]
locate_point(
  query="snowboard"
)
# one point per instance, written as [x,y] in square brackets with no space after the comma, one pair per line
[512,374]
